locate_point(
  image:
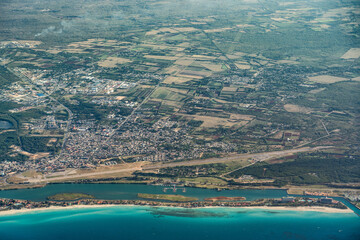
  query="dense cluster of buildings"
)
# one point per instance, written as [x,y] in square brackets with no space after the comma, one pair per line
[163,141]
[87,143]
[23,94]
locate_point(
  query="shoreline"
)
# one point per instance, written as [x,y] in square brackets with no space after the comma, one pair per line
[280,208]
[306,209]
[20,187]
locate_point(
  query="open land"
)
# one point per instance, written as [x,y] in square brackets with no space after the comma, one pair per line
[268,99]
[326,79]
[352,53]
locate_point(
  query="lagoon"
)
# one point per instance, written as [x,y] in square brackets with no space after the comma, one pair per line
[130,191]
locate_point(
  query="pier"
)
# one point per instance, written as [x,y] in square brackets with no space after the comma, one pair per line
[174,189]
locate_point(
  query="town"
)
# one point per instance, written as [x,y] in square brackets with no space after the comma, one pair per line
[164,100]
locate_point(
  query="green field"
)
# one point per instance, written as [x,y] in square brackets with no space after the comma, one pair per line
[172,81]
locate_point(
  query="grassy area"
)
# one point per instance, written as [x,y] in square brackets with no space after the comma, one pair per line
[20,186]
[31,174]
[69,196]
[307,169]
[205,180]
[173,198]
[214,86]
[6,77]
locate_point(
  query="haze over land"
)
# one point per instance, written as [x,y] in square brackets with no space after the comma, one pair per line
[209,89]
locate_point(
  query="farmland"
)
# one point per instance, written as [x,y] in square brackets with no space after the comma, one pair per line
[166,82]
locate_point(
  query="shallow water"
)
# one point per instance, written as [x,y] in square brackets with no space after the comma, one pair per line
[130,191]
[135,222]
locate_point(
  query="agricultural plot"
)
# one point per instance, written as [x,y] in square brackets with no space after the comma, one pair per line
[112,62]
[176,80]
[327,79]
[296,108]
[158,57]
[235,120]
[214,78]
[171,94]
[353,53]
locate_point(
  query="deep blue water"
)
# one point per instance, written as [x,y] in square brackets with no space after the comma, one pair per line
[126,222]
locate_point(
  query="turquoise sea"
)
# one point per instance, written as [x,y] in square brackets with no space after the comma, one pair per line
[137,222]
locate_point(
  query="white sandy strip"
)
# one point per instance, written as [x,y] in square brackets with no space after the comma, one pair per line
[20,211]
[316,209]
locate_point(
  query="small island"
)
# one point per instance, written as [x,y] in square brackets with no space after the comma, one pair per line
[172,198]
[214,199]
[69,196]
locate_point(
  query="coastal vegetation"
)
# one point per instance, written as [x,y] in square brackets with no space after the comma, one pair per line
[167,197]
[214,199]
[180,87]
[309,169]
[69,196]
[6,77]
[8,204]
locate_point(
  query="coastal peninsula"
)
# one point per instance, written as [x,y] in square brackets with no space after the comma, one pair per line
[8,206]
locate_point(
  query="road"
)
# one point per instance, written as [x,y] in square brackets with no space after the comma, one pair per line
[258,157]
[28,80]
[255,156]
[126,119]
[123,122]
